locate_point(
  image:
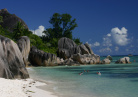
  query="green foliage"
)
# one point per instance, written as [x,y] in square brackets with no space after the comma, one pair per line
[1,19]
[62,26]
[18,30]
[77,41]
[36,41]
[52,50]
[5,32]
[26,32]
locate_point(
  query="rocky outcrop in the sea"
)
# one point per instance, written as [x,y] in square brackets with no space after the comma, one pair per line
[67,47]
[109,57]
[106,61]
[11,60]
[40,58]
[69,62]
[24,46]
[123,60]
[86,58]
[10,20]
[81,53]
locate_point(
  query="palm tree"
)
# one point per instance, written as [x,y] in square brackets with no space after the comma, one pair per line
[18,30]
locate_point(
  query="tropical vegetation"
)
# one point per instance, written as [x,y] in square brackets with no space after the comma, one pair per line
[62,26]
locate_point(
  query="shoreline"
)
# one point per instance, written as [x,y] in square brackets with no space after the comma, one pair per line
[46,87]
[23,88]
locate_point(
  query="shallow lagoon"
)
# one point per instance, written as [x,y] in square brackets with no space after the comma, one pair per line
[116,80]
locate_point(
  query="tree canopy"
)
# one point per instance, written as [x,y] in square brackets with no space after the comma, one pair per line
[20,30]
[77,41]
[62,26]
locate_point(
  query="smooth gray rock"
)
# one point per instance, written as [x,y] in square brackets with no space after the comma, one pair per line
[66,43]
[66,48]
[109,57]
[10,20]
[86,58]
[123,60]
[60,61]
[82,53]
[40,58]
[106,61]
[24,46]
[78,58]
[64,53]
[11,60]
[89,48]
[69,62]
[83,49]
[78,50]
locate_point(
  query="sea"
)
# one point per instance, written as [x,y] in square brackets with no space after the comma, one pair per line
[116,80]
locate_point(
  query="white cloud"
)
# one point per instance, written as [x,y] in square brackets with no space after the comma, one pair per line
[96,44]
[116,48]
[105,50]
[107,41]
[39,30]
[112,41]
[120,36]
[108,34]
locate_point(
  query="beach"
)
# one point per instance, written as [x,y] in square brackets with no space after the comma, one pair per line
[22,88]
[116,80]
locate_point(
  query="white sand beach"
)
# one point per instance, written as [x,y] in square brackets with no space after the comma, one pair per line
[22,88]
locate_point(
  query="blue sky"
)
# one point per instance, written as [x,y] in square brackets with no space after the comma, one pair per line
[109,26]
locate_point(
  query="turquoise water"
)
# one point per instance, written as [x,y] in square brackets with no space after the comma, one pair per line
[116,80]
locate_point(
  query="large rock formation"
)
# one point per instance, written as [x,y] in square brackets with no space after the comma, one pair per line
[82,53]
[66,48]
[41,58]
[69,62]
[10,20]
[89,48]
[24,46]
[11,60]
[109,57]
[86,58]
[83,49]
[106,61]
[123,60]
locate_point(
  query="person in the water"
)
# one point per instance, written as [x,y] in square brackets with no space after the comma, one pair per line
[81,73]
[99,73]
